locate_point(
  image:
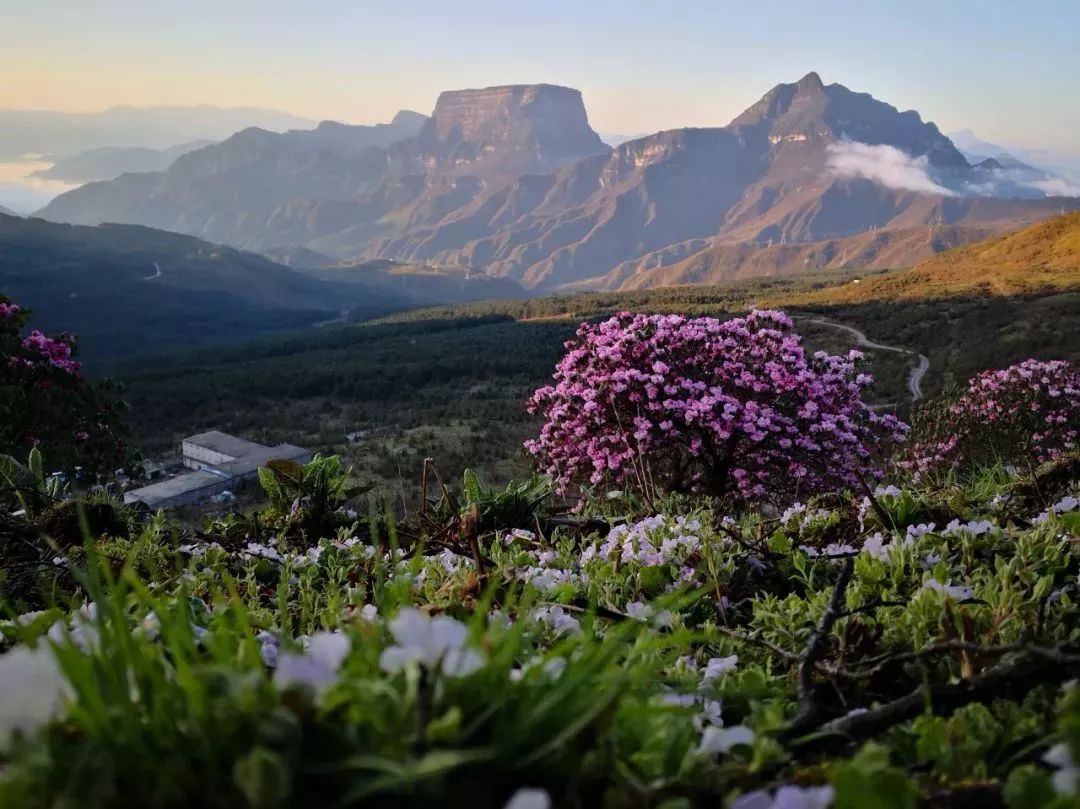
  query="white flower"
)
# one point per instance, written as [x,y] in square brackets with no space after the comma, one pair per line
[28,618]
[529,798]
[369,613]
[430,642]
[787,797]
[150,626]
[721,740]
[678,700]
[711,713]
[877,547]
[558,619]
[269,654]
[263,552]
[1065,777]
[82,634]
[686,663]
[957,592]
[717,666]
[663,619]
[32,690]
[638,610]
[1068,503]
[316,666]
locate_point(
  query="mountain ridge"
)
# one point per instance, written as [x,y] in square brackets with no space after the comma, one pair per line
[512,181]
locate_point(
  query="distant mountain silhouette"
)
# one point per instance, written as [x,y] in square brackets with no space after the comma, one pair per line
[63,134]
[112,161]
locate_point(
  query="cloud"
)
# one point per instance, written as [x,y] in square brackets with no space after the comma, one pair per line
[1056,187]
[886,165]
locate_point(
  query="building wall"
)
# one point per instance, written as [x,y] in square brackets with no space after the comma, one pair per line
[196,457]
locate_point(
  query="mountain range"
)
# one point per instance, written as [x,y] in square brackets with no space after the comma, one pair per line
[62,134]
[128,289]
[512,182]
[107,162]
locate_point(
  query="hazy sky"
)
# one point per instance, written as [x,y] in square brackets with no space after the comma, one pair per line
[1009,70]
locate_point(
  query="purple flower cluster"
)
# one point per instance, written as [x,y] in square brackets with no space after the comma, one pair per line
[8,310]
[707,405]
[57,352]
[1029,411]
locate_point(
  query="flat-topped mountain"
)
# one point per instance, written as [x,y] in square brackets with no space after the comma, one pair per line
[512,182]
[509,130]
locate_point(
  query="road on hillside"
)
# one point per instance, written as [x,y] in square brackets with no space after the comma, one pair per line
[915,378]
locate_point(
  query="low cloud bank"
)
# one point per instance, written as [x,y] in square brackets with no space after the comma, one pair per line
[894,168]
[886,165]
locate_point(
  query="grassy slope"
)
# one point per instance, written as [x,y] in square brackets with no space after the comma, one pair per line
[1040,259]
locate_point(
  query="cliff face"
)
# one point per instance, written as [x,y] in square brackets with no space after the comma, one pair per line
[511,130]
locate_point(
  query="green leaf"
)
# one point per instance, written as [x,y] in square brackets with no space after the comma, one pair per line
[263,778]
[1029,788]
[868,781]
[36,466]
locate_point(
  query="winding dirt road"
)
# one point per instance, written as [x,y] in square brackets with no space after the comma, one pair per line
[915,378]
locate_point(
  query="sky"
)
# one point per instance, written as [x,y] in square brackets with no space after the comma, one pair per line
[1008,70]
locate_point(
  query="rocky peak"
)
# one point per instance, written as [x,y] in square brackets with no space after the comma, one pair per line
[522,128]
[808,111]
[810,83]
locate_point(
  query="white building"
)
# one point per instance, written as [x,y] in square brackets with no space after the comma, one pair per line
[212,449]
[222,462]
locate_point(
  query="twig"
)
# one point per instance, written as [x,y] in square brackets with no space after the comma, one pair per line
[808,705]
[872,605]
[1040,666]
[791,657]
[883,515]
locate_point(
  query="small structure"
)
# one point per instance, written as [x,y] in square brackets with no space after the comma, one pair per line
[222,463]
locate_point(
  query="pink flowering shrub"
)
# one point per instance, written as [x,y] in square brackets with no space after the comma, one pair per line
[45,401]
[724,407]
[1025,414]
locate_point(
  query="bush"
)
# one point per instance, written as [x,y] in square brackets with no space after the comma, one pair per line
[721,407]
[45,400]
[1023,415]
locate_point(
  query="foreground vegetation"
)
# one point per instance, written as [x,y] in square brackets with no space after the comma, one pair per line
[685,635]
[912,647]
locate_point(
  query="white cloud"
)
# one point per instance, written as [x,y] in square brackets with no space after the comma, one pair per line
[886,165]
[1056,187]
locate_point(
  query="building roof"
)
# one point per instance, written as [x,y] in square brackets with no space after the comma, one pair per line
[226,444]
[158,493]
[253,460]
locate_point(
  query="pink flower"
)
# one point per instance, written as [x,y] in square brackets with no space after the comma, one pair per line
[697,403]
